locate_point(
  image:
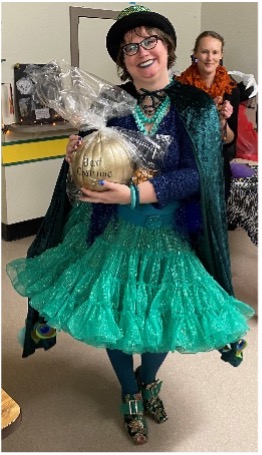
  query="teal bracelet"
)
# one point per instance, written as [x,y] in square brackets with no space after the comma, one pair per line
[134,196]
[137,195]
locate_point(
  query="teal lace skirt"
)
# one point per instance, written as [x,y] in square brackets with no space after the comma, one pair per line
[136,289]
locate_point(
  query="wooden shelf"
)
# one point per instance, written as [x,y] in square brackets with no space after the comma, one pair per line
[44,128]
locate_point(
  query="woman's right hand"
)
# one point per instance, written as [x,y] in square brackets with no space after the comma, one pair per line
[73,144]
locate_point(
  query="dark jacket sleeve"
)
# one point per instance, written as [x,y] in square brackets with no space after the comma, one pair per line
[229,150]
[183,182]
[234,99]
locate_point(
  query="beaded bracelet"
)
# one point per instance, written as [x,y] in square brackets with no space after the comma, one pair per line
[135,200]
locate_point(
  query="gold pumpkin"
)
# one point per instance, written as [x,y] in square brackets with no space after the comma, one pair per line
[101,157]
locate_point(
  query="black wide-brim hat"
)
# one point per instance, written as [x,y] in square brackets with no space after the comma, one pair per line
[133,20]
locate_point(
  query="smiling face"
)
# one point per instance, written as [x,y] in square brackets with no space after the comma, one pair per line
[209,53]
[148,68]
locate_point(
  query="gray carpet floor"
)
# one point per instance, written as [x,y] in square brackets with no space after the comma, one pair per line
[70,398]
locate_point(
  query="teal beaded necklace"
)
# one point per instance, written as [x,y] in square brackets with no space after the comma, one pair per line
[141,118]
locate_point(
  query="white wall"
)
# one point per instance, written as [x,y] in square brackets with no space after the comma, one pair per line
[237,22]
[39,32]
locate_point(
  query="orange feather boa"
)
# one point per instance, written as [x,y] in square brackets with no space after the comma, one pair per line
[222,82]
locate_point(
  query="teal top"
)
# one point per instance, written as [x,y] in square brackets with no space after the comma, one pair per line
[146,215]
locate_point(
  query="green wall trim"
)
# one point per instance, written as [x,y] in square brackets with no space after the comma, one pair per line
[33,161]
[26,141]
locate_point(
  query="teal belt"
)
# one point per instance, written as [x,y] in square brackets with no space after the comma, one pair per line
[146,215]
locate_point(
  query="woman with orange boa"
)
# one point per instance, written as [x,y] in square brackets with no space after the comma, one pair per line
[208,74]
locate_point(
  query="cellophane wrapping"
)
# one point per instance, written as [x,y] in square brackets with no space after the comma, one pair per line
[87,102]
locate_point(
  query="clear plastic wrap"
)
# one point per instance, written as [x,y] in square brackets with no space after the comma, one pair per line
[248,88]
[248,80]
[88,102]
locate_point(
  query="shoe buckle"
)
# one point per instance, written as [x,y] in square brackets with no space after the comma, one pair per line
[155,390]
[133,407]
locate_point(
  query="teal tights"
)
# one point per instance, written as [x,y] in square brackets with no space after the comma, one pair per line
[123,365]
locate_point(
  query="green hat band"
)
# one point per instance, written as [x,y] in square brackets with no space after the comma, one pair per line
[132,9]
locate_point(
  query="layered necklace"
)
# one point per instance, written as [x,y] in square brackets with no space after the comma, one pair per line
[151,109]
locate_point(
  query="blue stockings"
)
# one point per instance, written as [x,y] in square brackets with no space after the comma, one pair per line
[123,365]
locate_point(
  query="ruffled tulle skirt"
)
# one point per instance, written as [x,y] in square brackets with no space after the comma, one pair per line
[134,289]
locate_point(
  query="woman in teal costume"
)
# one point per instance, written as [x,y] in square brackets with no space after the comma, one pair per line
[141,268]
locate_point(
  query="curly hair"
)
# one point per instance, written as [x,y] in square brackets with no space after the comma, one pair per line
[171,47]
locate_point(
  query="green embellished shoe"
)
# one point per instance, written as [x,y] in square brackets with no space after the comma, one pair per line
[134,419]
[153,405]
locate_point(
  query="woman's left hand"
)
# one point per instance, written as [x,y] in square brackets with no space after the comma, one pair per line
[115,193]
[226,110]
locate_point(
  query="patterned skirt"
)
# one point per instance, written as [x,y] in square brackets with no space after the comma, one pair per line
[136,288]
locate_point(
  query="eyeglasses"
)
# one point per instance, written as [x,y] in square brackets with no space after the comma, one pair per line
[147,44]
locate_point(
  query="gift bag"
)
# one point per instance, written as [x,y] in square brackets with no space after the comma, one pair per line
[247,140]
